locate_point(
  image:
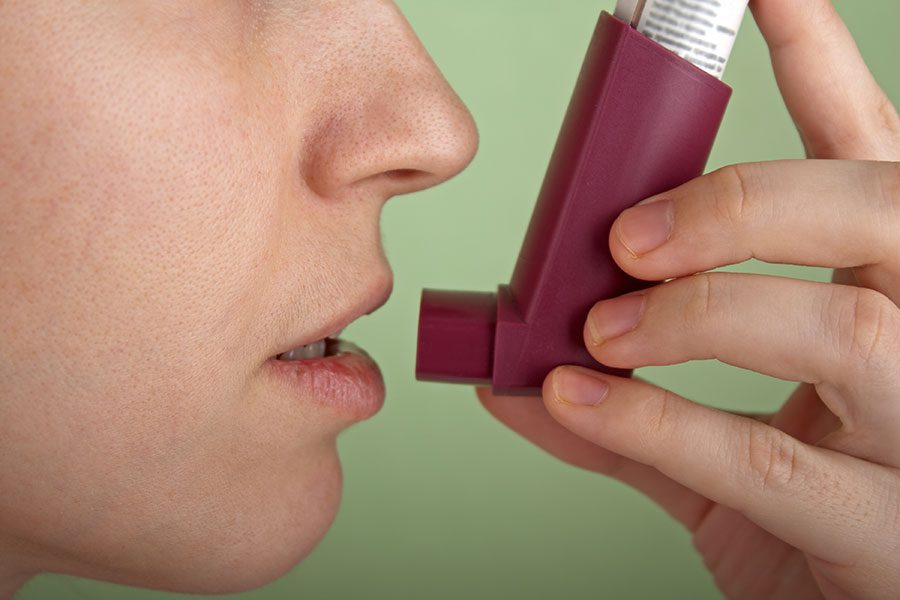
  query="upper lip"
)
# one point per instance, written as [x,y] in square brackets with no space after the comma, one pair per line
[367,304]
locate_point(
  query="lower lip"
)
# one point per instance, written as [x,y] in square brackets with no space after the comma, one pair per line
[348,382]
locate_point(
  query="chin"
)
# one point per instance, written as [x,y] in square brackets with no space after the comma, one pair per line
[240,539]
[269,537]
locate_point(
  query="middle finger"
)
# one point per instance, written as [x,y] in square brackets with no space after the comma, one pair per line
[844,340]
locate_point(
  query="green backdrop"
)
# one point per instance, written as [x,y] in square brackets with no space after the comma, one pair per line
[440,500]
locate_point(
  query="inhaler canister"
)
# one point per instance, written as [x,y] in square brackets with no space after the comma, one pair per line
[700,31]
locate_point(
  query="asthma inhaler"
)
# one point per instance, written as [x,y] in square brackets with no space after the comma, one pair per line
[642,120]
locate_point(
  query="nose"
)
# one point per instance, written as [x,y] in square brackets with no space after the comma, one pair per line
[393,124]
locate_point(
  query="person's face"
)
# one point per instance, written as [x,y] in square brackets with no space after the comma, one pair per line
[188,189]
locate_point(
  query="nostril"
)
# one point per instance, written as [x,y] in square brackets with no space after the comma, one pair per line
[405,181]
[404,174]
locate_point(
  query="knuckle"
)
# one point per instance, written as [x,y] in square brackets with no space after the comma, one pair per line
[732,189]
[887,122]
[873,133]
[659,413]
[847,138]
[892,510]
[708,294]
[771,455]
[889,190]
[868,327]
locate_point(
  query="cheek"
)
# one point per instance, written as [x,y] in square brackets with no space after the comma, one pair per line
[134,270]
[135,239]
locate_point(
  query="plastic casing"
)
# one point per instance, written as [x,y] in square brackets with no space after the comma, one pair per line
[641,121]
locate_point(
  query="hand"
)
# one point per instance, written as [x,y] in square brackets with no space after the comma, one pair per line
[807,500]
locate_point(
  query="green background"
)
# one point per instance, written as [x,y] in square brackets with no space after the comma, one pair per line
[440,500]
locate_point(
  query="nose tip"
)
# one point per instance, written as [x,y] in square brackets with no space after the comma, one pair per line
[460,142]
[445,142]
[399,145]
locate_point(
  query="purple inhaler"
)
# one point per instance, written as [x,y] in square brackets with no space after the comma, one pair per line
[641,121]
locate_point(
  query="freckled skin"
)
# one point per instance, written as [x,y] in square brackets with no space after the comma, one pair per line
[185,187]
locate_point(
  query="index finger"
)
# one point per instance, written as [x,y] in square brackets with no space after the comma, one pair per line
[838,107]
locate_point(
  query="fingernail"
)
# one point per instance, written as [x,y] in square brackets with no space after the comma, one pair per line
[646,227]
[613,318]
[574,386]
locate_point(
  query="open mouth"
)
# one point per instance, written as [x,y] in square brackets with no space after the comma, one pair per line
[318,349]
[324,348]
[331,345]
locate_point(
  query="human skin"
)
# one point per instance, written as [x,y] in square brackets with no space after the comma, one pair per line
[188,188]
[805,502]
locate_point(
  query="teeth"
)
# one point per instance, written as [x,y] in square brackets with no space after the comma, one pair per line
[344,347]
[314,350]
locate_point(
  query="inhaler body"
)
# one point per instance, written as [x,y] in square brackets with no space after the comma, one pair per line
[642,120]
